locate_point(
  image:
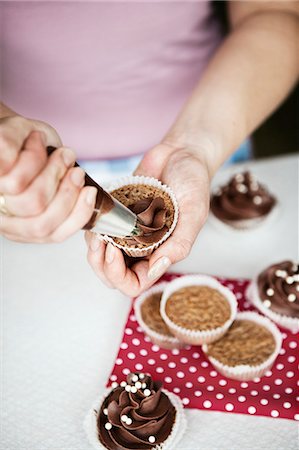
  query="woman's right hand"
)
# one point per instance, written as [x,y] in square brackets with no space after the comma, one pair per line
[44,196]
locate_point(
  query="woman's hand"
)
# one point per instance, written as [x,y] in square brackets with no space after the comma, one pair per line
[43,195]
[188,176]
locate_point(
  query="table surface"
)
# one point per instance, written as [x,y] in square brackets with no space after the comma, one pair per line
[61,329]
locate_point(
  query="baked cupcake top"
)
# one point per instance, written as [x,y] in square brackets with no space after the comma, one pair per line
[150,313]
[278,287]
[153,208]
[198,308]
[242,198]
[135,415]
[245,343]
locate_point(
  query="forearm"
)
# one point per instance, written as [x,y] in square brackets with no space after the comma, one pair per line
[249,76]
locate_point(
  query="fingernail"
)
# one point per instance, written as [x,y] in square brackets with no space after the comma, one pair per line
[77,176]
[160,267]
[94,243]
[69,156]
[91,195]
[110,253]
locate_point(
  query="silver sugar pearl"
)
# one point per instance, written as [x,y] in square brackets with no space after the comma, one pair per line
[133,390]
[241,188]
[267,303]
[135,378]
[281,273]
[108,426]
[128,388]
[147,392]
[254,186]
[292,298]
[143,385]
[151,439]
[138,385]
[129,421]
[105,411]
[114,384]
[297,288]
[257,200]
[141,376]
[123,384]
[239,177]
[296,277]
[124,418]
[270,292]
[290,280]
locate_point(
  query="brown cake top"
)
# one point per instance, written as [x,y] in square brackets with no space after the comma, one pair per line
[153,207]
[198,308]
[150,313]
[245,343]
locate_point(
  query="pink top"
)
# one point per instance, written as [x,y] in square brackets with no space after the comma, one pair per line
[110,76]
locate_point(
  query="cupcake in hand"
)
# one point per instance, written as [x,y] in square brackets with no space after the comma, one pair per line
[242,204]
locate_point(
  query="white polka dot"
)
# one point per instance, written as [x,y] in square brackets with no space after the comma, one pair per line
[282,351]
[168,380]
[176,390]
[296,416]
[184,360]
[288,390]
[266,387]
[297,399]
[126,371]
[278,381]
[230,286]
[151,362]
[287,405]
[147,339]
[128,331]
[155,348]
[131,355]
[113,378]
[163,356]
[251,410]
[274,413]
[187,347]
[132,318]
[197,393]
[239,295]
[189,385]
[229,407]
[210,388]
[244,385]
[138,366]
[192,369]
[279,366]
[185,401]
[222,382]
[119,362]
[201,379]
[180,374]
[232,390]
[143,352]
[264,401]
[257,380]
[276,396]
[172,365]
[207,404]
[204,364]
[195,355]
[175,351]
[135,341]
[254,393]
[291,359]
[124,346]
[290,374]
[159,370]
[293,344]
[219,396]
[213,373]
[241,398]
[267,374]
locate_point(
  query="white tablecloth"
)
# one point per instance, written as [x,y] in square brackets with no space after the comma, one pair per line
[61,329]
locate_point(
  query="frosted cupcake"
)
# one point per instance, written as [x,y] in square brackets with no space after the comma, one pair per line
[147,312]
[137,414]
[275,292]
[242,204]
[156,208]
[248,349]
[197,309]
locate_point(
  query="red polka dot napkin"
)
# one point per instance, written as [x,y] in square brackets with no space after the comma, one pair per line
[189,374]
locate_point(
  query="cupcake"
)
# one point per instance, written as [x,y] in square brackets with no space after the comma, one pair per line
[248,349]
[275,292]
[197,309]
[156,208]
[242,204]
[137,414]
[147,312]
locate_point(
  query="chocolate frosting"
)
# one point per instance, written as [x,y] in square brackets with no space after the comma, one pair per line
[138,418]
[151,213]
[241,199]
[278,287]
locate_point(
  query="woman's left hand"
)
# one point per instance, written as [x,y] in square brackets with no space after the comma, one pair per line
[187,174]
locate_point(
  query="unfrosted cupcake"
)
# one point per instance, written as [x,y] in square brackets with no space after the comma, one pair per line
[156,208]
[248,349]
[137,414]
[242,203]
[147,312]
[275,292]
[197,309]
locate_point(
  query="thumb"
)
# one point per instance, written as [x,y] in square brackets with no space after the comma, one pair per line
[153,162]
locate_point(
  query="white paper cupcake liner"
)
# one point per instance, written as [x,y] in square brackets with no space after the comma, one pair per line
[149,181]
[252,294]
[167,342]
[194,337]
[246,372]
[178,429]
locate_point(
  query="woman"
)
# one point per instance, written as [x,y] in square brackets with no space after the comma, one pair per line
[127,77]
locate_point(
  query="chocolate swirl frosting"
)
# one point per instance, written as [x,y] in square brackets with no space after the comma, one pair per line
[241,199]
[151,213]
[278,287]
[135,415]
